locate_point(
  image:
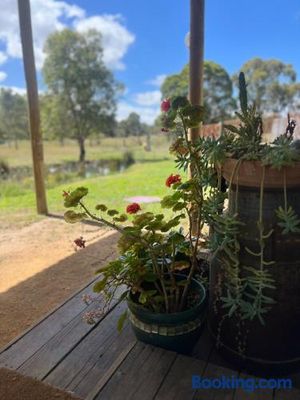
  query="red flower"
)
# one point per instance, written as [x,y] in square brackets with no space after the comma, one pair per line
[133,208]
[65,194]
[173,179]
[80,242]
[165,105]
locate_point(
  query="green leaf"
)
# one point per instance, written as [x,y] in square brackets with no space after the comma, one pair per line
[149,277]
[121,218]
[101,207]
[167,202]
[178,207]
[73,199]
[232,128]
[131,229]
[72,217]
[243,93]
[179,102]
[100,285]
[122,320]
[288,220]
[112,213]
[143,298]
[232,310]
[143,219]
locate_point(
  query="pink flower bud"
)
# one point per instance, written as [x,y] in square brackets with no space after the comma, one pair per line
[165,105]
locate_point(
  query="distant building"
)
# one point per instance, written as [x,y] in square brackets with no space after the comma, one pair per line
[274,126]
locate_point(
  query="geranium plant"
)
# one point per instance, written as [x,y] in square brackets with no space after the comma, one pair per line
[154,249]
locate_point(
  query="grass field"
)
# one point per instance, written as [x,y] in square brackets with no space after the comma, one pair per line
[106,149]
[146,177]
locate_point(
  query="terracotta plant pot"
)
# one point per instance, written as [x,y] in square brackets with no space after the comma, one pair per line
[249,173]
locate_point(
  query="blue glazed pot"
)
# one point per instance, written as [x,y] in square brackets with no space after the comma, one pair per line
[175,331]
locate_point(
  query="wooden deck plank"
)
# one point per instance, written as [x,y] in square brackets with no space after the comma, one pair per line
[204,346]
[105,377]
[296,380]
[24,346]
[215,371]
[217,359]
[178,383]
[98,363]
[256,394]
[82,369]
[287,394]
[140,375]
[41,363]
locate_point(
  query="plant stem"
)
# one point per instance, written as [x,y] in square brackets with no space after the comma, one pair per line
[261,227]
[285,191]
[138,238]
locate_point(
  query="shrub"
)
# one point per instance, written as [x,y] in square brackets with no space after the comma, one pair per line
[4,169]
[128,158]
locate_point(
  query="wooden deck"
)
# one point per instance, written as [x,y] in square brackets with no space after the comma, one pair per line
[96,362]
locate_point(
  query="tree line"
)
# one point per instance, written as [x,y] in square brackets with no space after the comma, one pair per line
[81,93]
[272,84]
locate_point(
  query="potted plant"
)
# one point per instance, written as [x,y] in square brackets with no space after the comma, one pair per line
[255,273]
[158,271]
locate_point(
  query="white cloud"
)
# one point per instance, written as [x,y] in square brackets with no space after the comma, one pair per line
[15,89]
[146,104]
[52,15]
[158,80]
[3,57]
[115,37]
[3,76]
[147,114]
[46,15]
[151,98]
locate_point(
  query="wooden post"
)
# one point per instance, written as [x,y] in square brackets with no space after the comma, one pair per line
[33,105]
[196,75]
[196,56]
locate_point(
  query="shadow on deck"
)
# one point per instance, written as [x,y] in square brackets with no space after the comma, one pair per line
[24,303]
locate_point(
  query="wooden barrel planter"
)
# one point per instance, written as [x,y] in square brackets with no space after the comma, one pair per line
[273,346]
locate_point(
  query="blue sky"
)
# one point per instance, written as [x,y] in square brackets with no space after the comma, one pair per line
[144,39]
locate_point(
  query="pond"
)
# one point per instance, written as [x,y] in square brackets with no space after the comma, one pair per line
[69,169]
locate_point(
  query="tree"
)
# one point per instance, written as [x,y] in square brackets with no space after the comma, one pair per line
[271,84]
[13,116]
[132,126]
[83,89]
[217,90]
[55,124]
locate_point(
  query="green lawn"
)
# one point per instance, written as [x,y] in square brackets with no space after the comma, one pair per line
[146,177]
[140,179]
